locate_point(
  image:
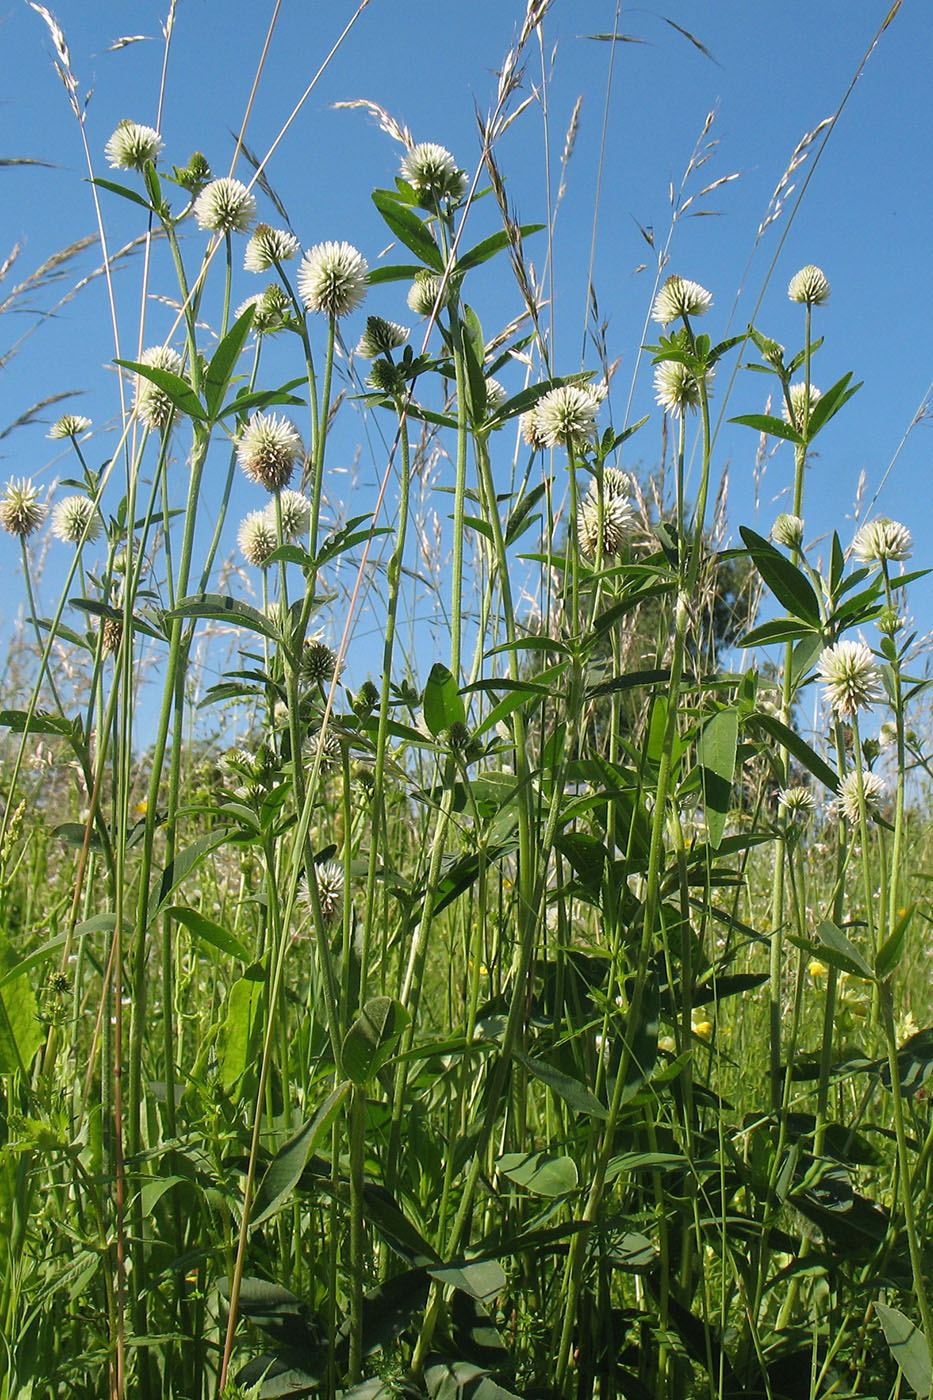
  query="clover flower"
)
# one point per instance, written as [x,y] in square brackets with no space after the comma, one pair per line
[21,511]
[809,286]
[111,634]
[332,279]
[318,663]
[798,396]
[872,789]
[267,450]
[295,510]
[676,387]
[847,670]
[70,425]
[380,338]
[496,396]
[424,292]
[153,405]
[225,206]
[271,309]
[432,171]
[531,433]
[75,519]
[678,297]
[604,524]
[797,802]
[567,415]
[131,145]
[386,378]
[788,531]
[328,744]
[257,538]
[268,247]
[328,877]
[880,541]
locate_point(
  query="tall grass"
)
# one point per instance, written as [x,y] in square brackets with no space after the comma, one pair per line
[533,1022]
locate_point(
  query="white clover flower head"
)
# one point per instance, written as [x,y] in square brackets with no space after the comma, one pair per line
[328,876]
[425,290]
[887,735]
[678,297]
[271,309]
[797,802]
[268,247]
[70,425]
[111,634]
[296,513]
[328,744]
[567,415]
[788,531]
[798,399]
[131,145]
[882,541]
[604,522]
[257,538]
[267,450]
[531,433]
[225,206]
[809,286]
[75,519]
[432,171]
[153,405]
[848,671]
[496,396]
[380,337]
[872,788]
[332,279]
[676,387]
[21,511]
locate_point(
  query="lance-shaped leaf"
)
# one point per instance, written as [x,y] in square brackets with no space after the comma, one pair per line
[409,229]
[177,390]
[788,584]
[223,361]
[284,1171]
[442,703]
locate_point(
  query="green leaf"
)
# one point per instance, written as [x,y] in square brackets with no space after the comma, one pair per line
[520,514]
[580,1099]
[75,833]
[442,703]
[38,955]
[764,423]
[372,1038]
[633,1252]
[841,952]
[716,757]
[779,629]
[483,251]
[481,1278]
[124,192]
[181,867]
[248,400]
[587,856]
[20,1032]
[178,391]
[892,949]
[39,722]
[398,272]
[208,932]
[799,748]
[221,607]
[628,682]
[473,354]
[289,1162]
[830,403]
[241,1026]
[223,361]
[788,584]
[409,229]
[542,1173]
[908,1346]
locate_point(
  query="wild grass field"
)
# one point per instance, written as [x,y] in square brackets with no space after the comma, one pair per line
[547,1016]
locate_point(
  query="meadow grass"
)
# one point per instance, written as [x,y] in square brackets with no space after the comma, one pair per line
[537,1022]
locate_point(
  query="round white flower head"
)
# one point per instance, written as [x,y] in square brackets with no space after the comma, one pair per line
[296,513]
[788,531]
[21,511]
[796,802]
[74,519]
[269,246]
[848,671]
[131,145]
[332,279]
[225,206]
[153,405]
[882,540]
[872,788]
[798,397]
[678,297]
[496,396]
[531,433]
[267,450]
[68,426]
[425,290]
[809,286]
[432,171]
[887,734]
[676,388]
[328,877]
[604,525]
[329,745]
[257,538]
[567,415]
[271,309]
[380,338]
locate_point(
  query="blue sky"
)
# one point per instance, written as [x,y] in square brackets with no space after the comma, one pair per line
[777,70]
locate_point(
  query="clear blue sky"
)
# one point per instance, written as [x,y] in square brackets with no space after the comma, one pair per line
[778,68]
